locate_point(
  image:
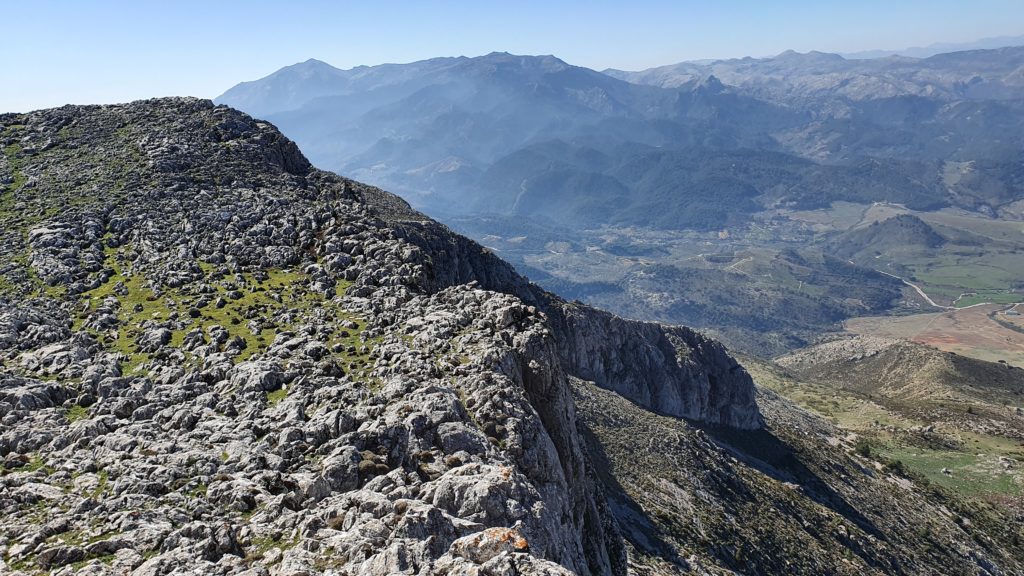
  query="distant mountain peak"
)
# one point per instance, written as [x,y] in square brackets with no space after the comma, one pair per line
[545,61]
[710,83]
[310,65]
[813,55]
[277,91]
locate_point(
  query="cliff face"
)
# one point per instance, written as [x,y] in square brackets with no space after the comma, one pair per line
[645,362]
[218,358]
[668,369]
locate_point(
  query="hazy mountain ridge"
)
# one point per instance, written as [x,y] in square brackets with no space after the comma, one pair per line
[941,48]
[794,77]
[732,149]
[436,129]
[476,111]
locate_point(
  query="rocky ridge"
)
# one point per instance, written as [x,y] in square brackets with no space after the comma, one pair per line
[217,358]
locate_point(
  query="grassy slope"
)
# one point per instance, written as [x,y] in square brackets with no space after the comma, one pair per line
[972,458]
[246,316]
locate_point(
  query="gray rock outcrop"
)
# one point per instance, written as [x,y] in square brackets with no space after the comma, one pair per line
[218,359]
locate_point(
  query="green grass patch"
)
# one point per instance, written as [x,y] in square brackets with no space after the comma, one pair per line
[969,473]
[989,273]
[247,303]
[260,545]
[274,398]
[25,565]
[37,463]
[252,307]
[101,486]
[76,413]
[198,492]
[16,162]
[106,559]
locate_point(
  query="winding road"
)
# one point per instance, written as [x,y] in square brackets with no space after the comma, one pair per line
[928,298]
[919,291]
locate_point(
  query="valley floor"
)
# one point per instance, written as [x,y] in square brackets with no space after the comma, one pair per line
[786,277]
[985,332]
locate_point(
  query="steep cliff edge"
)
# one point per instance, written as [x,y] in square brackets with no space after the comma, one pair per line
[215,357]
[668,369]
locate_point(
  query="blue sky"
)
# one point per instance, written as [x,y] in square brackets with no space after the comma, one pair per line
[72,51]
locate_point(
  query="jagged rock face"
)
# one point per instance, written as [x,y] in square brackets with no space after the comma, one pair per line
[644,361]
[218,359]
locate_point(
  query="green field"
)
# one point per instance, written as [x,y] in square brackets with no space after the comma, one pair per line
[945,277]
[969,472]
[990,298]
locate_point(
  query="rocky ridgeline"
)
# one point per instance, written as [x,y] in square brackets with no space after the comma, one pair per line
[217,359]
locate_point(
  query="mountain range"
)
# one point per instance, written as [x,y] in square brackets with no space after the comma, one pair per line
[497,132]
[684,193]
[941,48]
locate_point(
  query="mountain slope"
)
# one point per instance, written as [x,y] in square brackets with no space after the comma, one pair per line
[917,379]
[219,359]
[442,131]
[946,420]
[289,87]
[793,498]
[273,363]
[432,129]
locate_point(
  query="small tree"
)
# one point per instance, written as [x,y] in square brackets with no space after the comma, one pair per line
[862,448]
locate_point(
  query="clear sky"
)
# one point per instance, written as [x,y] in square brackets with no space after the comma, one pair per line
[99,51]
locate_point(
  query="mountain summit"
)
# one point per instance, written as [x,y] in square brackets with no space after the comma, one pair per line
[224,352]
